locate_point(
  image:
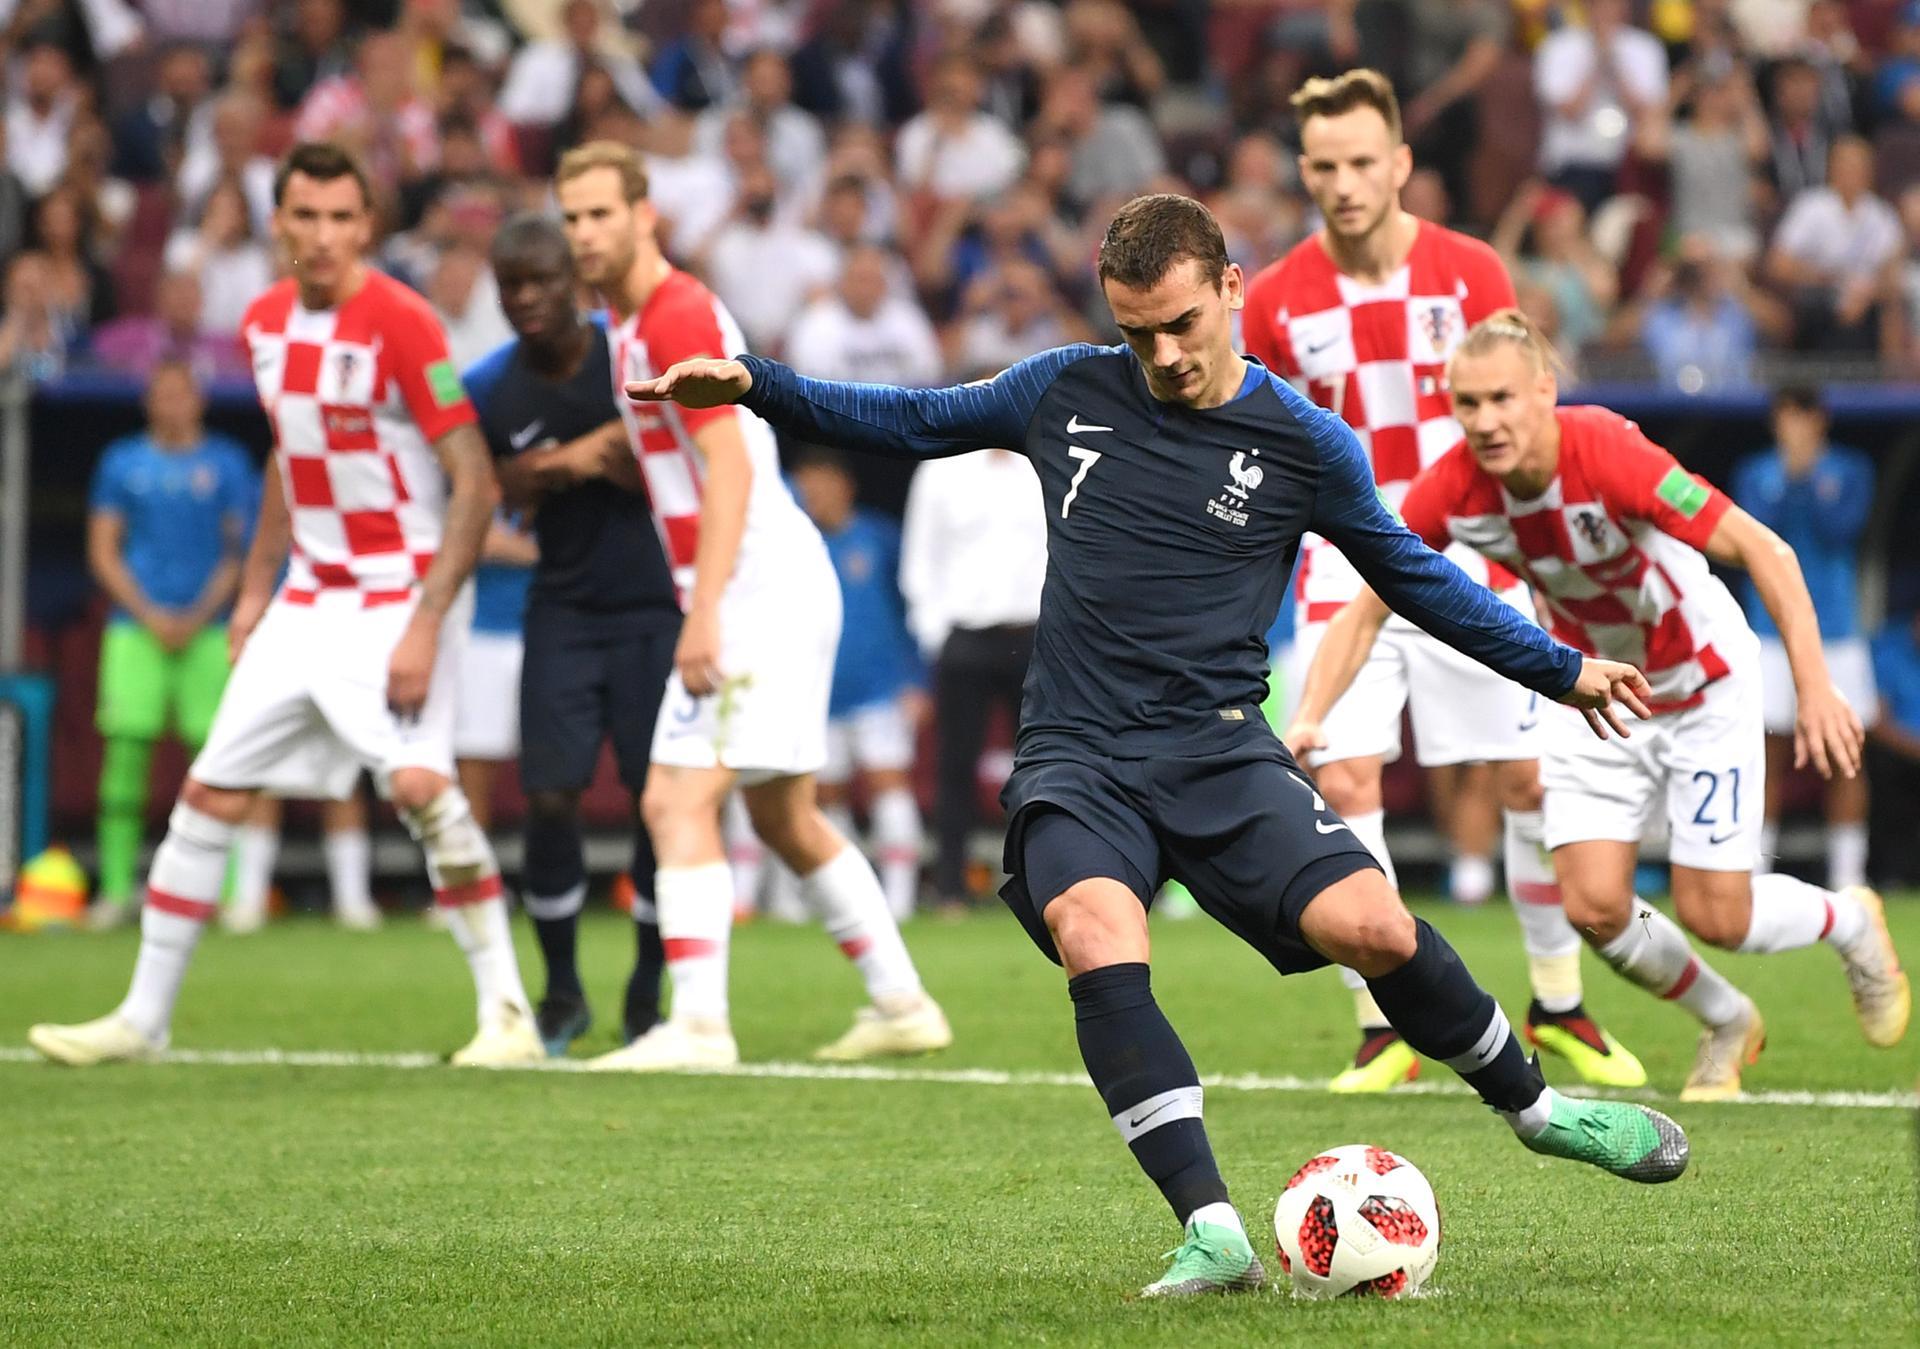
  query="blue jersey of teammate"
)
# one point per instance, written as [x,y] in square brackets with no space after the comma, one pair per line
[599,550]
[1171,532]
[1822,516]
[183,510]
[500,597]
[877,657]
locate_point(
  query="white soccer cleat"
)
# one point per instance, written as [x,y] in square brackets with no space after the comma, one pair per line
[109,1039]
[672,1046]
[358,918]
[510,1042]
[243,920]
[104,915]
[1724,1051]
[915,1027]
[1882,998]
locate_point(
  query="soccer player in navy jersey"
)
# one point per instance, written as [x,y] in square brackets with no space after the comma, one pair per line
[1178,479]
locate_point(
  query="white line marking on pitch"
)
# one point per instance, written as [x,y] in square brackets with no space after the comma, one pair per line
[965,1077]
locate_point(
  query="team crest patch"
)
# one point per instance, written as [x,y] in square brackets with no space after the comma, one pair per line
[1680,491]
[1440,323]
[443,381]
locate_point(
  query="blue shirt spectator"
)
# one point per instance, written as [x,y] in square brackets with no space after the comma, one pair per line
[181,506]
[1896,669]
[1816,496]
[1698,345]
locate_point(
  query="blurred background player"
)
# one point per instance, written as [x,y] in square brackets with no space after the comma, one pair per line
[746,704]
[601,617]
[351,663]
[345,845]
[167,525]
[1362,316]
[1816,496]
[1615,537]
[879,699]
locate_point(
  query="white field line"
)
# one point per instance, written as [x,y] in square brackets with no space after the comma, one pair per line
[965,1077]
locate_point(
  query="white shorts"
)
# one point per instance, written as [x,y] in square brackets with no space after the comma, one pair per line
[486,718]
[777,641]
[1849,661]
[1462,711]
[875,737]
[305,709]
[1704,766]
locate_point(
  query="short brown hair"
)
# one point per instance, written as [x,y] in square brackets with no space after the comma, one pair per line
[1336,94]
[622,159]
[1150,234]
[322,161]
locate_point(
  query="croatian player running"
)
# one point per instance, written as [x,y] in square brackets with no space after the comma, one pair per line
[352,663]
[601,617]
[1616,536]
[1362,316]
[746,703]
[1178,480]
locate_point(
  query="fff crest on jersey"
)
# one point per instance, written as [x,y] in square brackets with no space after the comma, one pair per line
[1244,478]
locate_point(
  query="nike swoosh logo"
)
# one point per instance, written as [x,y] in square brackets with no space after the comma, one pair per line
[1075,426]
[1326,828]
[1715,840]
[524,436]
[1138,1120]
[1315,351]
[1529,723]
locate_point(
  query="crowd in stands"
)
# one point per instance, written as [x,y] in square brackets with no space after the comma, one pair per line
[1688,191]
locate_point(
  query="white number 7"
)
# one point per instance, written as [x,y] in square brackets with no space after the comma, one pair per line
[1087,458]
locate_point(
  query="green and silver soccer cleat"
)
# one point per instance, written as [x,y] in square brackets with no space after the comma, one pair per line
[1629,1140]
[1213,1259]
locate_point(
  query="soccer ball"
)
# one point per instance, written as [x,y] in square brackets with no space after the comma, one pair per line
[1357,1221]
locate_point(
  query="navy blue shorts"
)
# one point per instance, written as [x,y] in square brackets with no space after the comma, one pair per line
[586,678]
[1244,831]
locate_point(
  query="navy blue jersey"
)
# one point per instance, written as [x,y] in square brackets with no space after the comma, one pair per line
[599,550]
[1171,534]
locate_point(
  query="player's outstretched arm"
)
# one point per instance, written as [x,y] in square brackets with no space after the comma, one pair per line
[1827,732]
[1343,652]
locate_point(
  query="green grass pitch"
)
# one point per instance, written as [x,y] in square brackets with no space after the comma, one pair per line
[221,1204]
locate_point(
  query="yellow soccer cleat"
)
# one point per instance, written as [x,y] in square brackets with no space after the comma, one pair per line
[512,1041]
[1595,1056]
[1724,1051]
[1882,998]
[1383,1063]
[108,1039]
[912,1026]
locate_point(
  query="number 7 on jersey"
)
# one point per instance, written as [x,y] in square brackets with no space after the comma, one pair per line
[1087,458]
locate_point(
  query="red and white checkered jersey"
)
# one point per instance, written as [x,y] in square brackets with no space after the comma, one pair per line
[357,396]
[1613,545]
[1376,357]
[682,320]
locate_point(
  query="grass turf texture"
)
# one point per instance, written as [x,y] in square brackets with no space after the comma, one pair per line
[349,1205]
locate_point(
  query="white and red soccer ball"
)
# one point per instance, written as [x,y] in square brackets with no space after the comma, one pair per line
[1357,1221]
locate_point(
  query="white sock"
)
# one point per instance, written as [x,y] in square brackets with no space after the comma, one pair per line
[468,894]
[695,907]
[746,855]
[1769,847]
[846,895]
[1846,855]
[1470,879]
[898,841]
[1529,1123]
[1553,947]
[1788,914]
[183,891]
[1217,1214]
[1371,829]
[1653,952]
[486,938]
[349,864]
[256,847]
[781,899]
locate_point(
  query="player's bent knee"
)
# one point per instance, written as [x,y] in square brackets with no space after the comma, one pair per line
[1718,911]
[415,788]
[1359,922]
[226,804]
[1518,785]
[1096,923]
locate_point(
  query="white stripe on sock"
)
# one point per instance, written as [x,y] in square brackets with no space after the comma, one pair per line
[1487,1048]
[547,908]
[1150,1114]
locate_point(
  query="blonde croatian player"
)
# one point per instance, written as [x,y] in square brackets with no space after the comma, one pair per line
[1362,317]
[1615,536]
[381,487]
[747,701]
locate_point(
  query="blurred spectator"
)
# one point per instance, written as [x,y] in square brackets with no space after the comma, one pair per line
[1910,267]
[15,202]
[40,113]
[1542,237]
[65,228]
[1896,86]
[796,148]
[1799,134]
[1816,496]
[151,141]
[1453,48]
[973,556]
[1426,196]
[865,331]
[35,335]
[965,242]
[207,23]
[1011,73]
[1006,315]
[1537,303]
[1841,64]
[1703,321]
[231,153]
[1595,82]
[1837,253]
[375,112]
[223,250]
[1260,218]
[545,74]
[174,334]
[953,149]
[764,266]
[692,72]
[854,66]
[465,97]
[315,46]
[462,291]
[111,200]
[1113,149]
[1711,160]
[1105,41]
[1894,749]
